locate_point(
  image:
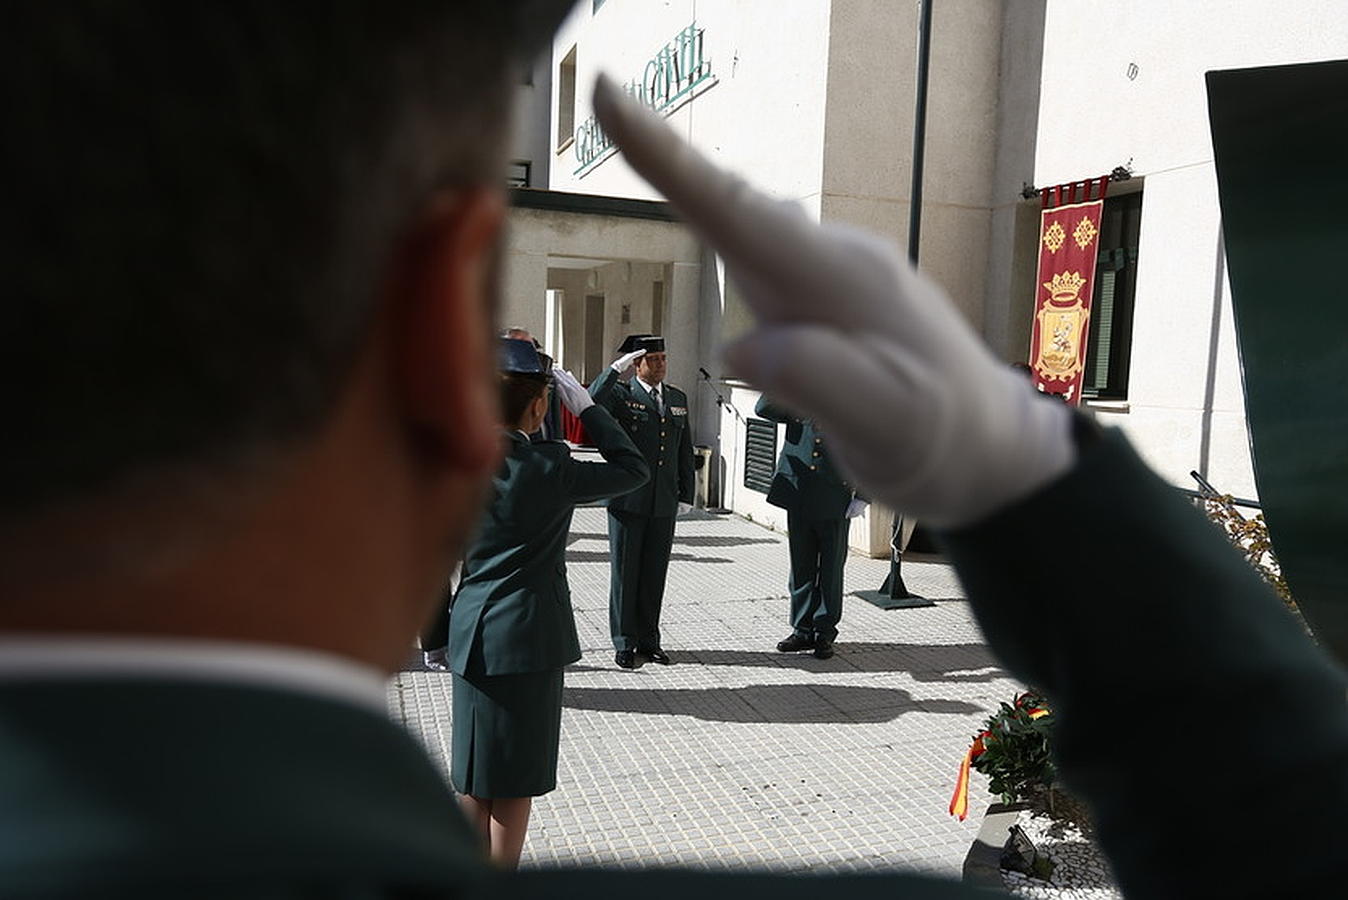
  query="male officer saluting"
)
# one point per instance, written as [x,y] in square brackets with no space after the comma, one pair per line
[820,505]
[641,524]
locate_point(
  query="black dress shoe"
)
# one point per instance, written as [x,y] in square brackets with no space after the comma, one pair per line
[658,656]
[626,659]
[794,643]
[823,650]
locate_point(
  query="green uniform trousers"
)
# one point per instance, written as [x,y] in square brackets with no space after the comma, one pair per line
[639,548]
[818,550]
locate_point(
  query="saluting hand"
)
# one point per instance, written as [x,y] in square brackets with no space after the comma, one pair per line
[623,364]
[917,410]
[573,396]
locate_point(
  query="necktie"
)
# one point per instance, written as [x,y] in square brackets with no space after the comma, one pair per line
[659,401]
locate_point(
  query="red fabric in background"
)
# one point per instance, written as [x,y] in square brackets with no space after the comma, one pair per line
[1068,247]
[572,430]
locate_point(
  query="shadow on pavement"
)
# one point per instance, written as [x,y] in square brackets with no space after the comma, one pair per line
[716,540]
[925,662]
[579,556]
[782,704]
[688,540]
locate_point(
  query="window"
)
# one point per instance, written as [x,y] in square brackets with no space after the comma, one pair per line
[1110,338]
[566,99]
[760,454]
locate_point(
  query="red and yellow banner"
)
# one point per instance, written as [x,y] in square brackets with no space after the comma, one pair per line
[1069,228]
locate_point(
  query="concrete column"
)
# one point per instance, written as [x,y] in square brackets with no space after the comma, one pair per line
[525,291]
[682,339]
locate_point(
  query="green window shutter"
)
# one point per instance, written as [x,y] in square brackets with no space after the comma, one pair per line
[760,454]
[1104,312]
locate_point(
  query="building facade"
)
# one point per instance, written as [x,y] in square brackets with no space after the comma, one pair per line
[813,101]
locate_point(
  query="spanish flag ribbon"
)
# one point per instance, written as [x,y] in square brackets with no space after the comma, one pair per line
[959,803]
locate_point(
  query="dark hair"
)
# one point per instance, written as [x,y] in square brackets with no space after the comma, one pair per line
[201,200]
[518,390]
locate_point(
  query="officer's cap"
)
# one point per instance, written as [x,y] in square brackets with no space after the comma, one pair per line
[518,357]
[651,343]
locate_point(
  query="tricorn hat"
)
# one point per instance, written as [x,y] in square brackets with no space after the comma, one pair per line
[651,343]
[519,357]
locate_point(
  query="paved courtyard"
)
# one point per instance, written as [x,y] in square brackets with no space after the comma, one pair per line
[737,756]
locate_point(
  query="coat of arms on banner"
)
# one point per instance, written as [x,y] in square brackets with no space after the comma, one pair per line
[1061,323]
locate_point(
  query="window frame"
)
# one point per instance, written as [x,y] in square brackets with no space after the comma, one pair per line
[566,100]
[1111,323]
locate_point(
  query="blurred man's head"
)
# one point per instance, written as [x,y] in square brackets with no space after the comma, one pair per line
[251,252]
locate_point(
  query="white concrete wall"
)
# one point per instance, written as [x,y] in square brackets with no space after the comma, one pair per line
[744,501]
[868,147]
[765,115]
[1092,117]
[532,120]
[1008,304]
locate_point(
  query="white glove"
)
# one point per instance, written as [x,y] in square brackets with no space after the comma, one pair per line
[917,410]
[856,507]
[623,364]
[573,396]
[685,508]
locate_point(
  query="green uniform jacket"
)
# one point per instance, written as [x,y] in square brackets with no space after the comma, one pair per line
[806,481]
[664,441]
[513,605]
[128,787]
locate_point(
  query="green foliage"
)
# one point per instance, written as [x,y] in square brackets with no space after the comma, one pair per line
[1016,745]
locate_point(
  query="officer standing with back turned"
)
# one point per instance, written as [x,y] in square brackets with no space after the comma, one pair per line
[820,506]
[641,524]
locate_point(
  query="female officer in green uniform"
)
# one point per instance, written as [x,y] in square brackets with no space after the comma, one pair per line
[511,629]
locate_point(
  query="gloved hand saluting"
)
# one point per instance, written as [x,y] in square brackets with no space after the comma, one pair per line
[623,364]
[573,396]
[916,408]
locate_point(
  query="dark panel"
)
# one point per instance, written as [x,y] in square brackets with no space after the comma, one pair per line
[591,204]
[760,454]
[1280,137]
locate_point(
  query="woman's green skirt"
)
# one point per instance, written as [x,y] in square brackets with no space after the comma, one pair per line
[506,732]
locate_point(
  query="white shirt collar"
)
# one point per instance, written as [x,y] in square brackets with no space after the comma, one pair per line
[60,658]
[650,388]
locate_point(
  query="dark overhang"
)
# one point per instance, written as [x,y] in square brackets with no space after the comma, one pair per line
[591,204]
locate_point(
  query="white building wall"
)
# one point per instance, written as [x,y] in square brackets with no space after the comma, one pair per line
[765,115]
[529,142]
[1185,406]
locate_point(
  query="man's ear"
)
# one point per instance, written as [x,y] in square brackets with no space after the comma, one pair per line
[445,318]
